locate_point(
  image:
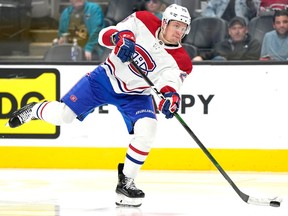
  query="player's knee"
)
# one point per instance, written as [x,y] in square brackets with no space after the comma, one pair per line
[145,130]
[67,114]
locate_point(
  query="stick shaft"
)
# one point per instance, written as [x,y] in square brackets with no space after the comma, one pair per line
[242,195]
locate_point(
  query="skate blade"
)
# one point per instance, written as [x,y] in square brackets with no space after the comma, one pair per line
[122,200]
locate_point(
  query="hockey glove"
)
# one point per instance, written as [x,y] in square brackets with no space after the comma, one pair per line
[125,45]
[170,104]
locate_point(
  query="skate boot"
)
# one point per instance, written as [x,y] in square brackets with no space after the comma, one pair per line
[127,193]
[21,116]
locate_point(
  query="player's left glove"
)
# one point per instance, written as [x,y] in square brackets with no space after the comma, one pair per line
[125,45]
[170,104]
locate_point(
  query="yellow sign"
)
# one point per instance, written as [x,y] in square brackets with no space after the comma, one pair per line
[21,86]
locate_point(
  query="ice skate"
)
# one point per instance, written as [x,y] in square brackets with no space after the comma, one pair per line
[127,193]
[21,116]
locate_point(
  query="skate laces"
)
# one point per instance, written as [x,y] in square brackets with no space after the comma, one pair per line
[25,115]
[130,183]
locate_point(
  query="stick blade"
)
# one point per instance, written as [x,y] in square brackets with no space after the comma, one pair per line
[274,202]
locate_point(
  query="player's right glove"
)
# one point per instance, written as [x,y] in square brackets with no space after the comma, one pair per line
[170,104]
[125,45]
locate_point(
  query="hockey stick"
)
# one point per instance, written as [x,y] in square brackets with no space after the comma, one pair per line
[275,202]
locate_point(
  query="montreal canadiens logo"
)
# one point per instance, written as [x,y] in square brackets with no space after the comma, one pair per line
[73,98]
[142,58]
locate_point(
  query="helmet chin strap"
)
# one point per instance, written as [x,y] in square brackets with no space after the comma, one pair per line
[163,38]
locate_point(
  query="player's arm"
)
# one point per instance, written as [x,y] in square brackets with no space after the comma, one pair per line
[123,42]
[121,38]
[169,85]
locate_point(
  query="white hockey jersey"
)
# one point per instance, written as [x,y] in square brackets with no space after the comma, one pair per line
[164,65]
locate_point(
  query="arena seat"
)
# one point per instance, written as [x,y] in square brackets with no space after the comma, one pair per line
[190,49]
[192,6]
[117,10]
[259,25]
[206,32]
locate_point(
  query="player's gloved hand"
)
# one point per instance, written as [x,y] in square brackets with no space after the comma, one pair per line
[170,104]
[125,45]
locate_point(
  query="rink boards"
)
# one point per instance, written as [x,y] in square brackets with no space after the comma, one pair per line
[239,112]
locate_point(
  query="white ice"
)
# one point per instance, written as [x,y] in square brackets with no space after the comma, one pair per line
[55,192]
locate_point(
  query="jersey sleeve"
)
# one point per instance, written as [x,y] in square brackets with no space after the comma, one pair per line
[127,24]
[173,78]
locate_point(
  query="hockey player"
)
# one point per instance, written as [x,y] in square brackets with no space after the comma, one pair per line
[155,46]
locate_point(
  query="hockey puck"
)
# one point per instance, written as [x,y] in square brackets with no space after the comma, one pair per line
[275,203]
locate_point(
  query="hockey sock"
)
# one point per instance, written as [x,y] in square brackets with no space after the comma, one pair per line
[139,148]
[53,112]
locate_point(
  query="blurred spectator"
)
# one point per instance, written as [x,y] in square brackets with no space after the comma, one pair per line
[154,6]
[267,5]
[237,46]
[82,20]
[275,43]
[227,9]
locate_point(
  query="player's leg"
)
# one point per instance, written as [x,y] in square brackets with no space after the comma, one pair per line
[140,118]
[144,134]
[78,102]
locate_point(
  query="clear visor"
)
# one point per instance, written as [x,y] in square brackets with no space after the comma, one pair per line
[184,30]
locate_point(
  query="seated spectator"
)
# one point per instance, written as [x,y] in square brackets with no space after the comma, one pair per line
[154,6]
[227,9]
[275,43]
[82,20]
[237,46]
